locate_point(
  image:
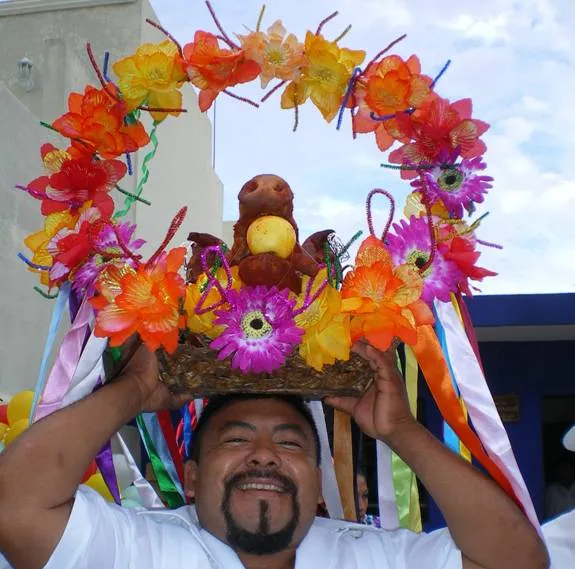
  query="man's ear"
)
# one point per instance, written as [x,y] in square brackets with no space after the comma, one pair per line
[190,477]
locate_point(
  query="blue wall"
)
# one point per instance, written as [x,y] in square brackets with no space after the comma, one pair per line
[532,370]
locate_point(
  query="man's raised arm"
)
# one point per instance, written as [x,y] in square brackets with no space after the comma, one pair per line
[486,525]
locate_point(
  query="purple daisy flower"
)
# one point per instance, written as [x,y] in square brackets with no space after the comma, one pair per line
[457,186]
[411,243]
[109,253]
[260,329]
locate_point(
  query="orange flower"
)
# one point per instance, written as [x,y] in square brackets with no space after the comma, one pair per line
[279,57]
[388,87]
[212,69]
[383,301]
[144,301]
[153,75]
[324,78]
[95,123]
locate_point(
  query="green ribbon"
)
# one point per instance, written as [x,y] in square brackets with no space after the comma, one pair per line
[404,479]
[168,489]
[145,173]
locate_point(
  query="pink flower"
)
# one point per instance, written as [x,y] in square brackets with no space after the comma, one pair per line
[411,244]
[260,330]
[456,186]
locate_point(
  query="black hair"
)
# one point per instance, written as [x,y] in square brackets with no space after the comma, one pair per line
[219,402]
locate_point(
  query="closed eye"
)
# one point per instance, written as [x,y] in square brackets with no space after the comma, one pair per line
[236,440]
[290,444]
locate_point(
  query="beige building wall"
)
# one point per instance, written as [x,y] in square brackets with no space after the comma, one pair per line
[52,34]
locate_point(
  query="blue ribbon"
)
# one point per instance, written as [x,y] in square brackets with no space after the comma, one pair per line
[187,429]
[450,439]
[59,307]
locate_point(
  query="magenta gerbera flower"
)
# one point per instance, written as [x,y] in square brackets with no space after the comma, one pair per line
[260,330]
[411,243]
[107,253]
[458,186]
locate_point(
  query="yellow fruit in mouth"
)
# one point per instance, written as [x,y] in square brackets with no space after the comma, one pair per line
[271,234]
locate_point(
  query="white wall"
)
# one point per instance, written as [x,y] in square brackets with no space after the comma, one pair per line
[53,35]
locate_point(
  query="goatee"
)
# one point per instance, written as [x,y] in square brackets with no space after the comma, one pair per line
[261,541]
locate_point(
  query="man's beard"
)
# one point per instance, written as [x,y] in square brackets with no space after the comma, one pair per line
[260,541]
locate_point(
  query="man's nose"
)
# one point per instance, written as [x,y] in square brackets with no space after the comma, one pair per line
[263,455]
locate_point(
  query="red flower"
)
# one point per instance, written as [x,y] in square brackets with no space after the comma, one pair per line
[461,250]
[96,122]
[78,180]
[438,128]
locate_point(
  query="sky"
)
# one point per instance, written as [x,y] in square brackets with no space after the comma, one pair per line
[514,58]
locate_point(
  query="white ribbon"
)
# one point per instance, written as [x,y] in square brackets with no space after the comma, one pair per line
[385,488]
[330,488]
[480,405]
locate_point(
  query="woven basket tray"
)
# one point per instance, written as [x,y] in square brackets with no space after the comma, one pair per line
[197,371]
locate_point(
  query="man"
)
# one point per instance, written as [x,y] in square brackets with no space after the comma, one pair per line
[256,483]
[363,499]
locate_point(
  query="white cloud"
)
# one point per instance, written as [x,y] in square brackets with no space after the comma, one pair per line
[515,59]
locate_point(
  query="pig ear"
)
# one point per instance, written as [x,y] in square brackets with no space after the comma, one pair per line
[204,239]
[314,245]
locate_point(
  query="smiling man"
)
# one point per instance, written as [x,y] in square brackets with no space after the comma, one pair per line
[255,480]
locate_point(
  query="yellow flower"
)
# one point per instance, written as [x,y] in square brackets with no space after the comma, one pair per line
[153,75]
[38,242]
[327,333]
[204,323]
[279,57]
[324,78]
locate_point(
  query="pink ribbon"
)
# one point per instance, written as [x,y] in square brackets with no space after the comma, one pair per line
[65,365]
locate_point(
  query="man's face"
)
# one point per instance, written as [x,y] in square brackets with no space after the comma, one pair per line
[363,495]
[257,483]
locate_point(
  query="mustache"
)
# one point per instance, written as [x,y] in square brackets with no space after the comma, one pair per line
[287,484]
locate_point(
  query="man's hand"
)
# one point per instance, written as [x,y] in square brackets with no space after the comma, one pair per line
[383,408]
[142,371]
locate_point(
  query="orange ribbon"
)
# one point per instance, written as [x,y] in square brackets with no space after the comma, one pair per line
[343,460]
[434,368]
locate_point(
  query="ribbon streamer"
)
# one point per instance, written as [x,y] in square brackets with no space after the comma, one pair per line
[343,458]
[436,372]
[329,480]
[481,406]
[105,463]
[145,490]
[65,365]
[61,302]
[385,490]
[173,496]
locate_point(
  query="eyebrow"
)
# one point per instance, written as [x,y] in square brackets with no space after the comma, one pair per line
[294,427]
[235,424]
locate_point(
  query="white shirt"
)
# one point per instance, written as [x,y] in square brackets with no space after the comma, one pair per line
[100,535]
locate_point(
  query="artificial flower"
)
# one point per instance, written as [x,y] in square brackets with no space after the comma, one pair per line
[411,244]
[260,331]
[325,76]
[112,246]
[97,121]
[154,76]
[70,248]
[145,301]
[459,247]
[213,69]
[382,300]
[385,88]
[327,329]
[435,129]
[278,56]
[39,242]
[77,181]
[457,186]
[203,324]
